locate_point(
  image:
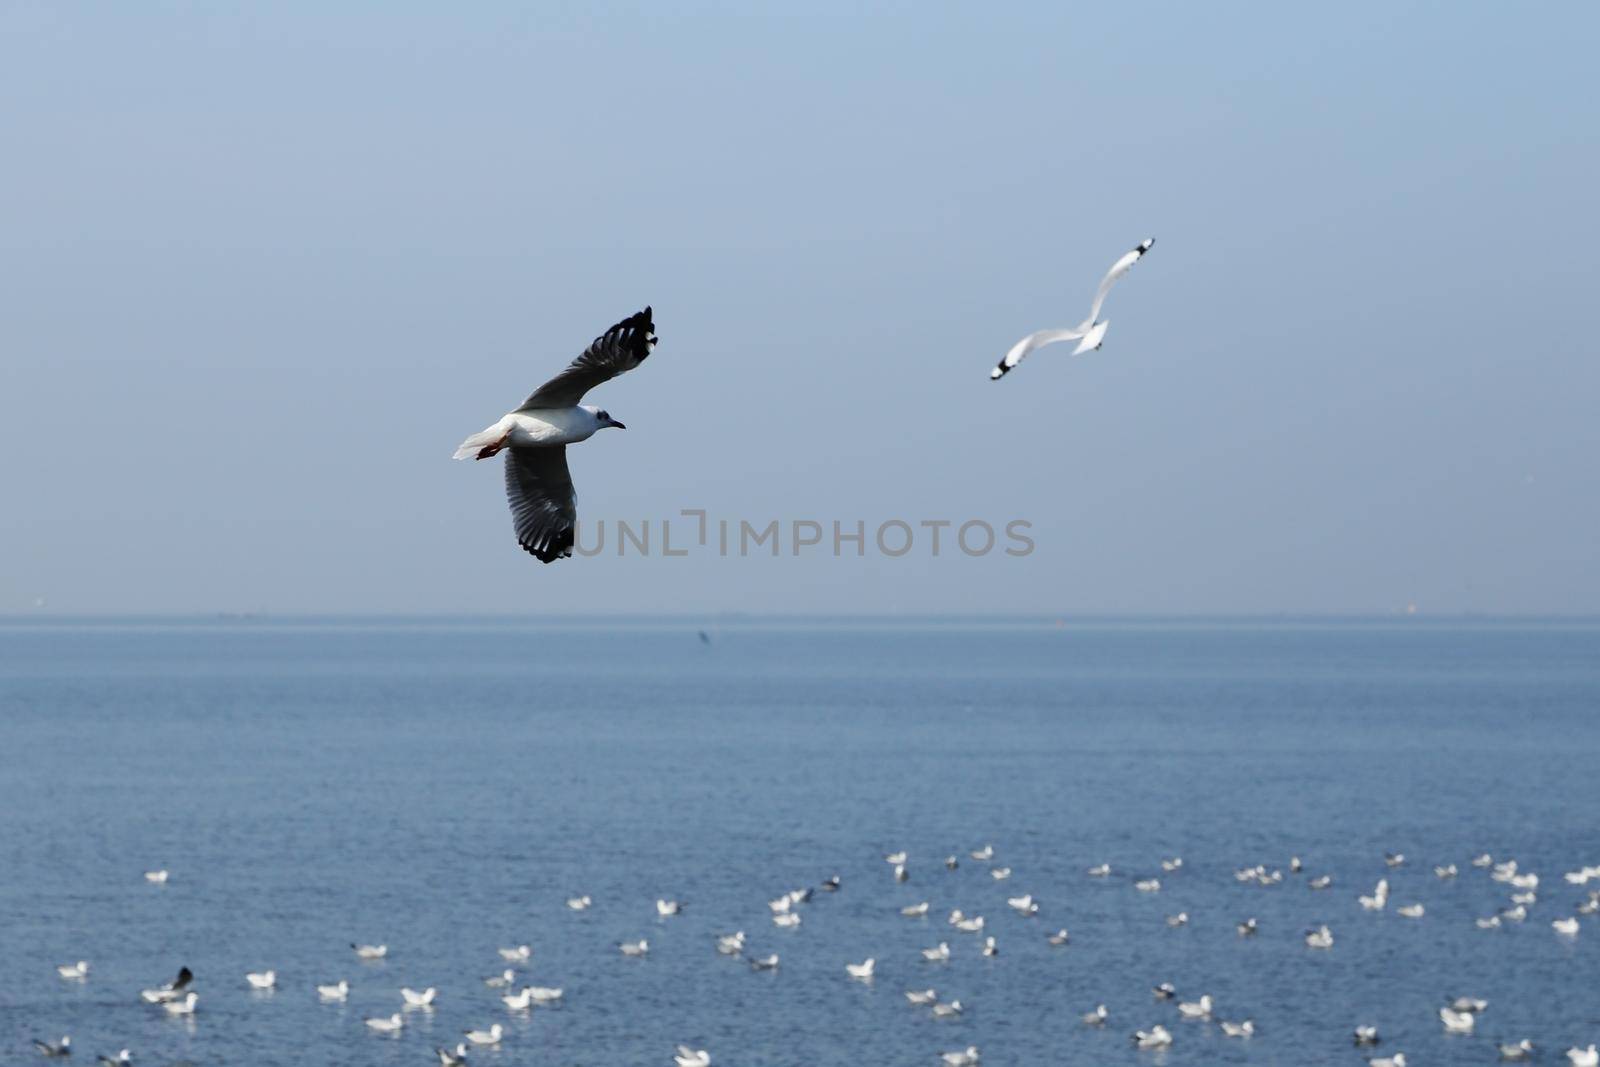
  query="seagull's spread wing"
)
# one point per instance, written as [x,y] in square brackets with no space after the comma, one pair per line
[543,502]
[1118,269]
[617,351]
[1020,350]
[185,976]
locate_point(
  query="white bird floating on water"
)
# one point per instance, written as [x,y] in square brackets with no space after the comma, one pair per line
[731,944]
[535,437]
[962,1057]
[1567,927]
[157,877]
[1379,898]
[948,1011]
[171,991]
[60,1048]
[1248,928]
[1491,923]
[1410,911]
[1397,1060]
[1457,1022]
[490,1036]
[1148,885]
[900,873]
[990,948]
[1321,937]
[1155,1037]
[389,1025]
[668,908]
[1173,864]
[1164,991]
[915,911]
[519,954]
[1366,1035]
[1522,1050]
[504,980]
[1322,881]
[983,854]
[1394,859]
[862,970]
[543,994]
[262,979]
[1196,1009]
[448,1058]
[1448,871]
[1097,1017]
[895,859]
[74,971]
[1059,938]
[1483,860]
[182,1007]
[919,997]
[518,1001]
[125,1056]
[765,963]
[640,947]
[937,954]
[691,1057]
[1100,871]
[582,903]
[787,921]
[1584,1057]
[1180,919]
[1089,334]
[1000,874]
[414,999]
[370,952]
[1470,1004]
[1244,1029]
[334,992]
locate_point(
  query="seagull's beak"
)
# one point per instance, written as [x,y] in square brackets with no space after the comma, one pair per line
[617,425]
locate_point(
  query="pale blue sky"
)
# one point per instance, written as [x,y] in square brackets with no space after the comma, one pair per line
[262,268]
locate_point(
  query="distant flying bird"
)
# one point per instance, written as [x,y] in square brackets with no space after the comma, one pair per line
[535,437]
[1090,333]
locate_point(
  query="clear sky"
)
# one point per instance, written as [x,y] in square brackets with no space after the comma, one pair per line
[263,266]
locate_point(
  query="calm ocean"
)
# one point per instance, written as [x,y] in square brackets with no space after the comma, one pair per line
[443,787]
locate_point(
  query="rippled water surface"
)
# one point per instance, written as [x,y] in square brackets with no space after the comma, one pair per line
[444,787]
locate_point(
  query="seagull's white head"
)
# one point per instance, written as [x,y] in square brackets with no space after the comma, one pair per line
[603,418]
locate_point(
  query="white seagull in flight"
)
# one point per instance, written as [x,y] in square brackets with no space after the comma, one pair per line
[1090,332]
[536,435]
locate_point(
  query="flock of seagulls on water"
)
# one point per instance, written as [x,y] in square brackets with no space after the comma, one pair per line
[1458,1015]
[535,436]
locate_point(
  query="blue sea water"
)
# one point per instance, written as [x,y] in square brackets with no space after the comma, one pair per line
[444,786]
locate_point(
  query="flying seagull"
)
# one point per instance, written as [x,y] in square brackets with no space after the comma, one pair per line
[536,435]
[1090,333]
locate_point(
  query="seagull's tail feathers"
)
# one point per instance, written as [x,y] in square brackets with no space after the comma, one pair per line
[483,444]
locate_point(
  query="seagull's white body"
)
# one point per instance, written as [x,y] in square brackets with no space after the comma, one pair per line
[519,954]
[389,1025]
[1322,881]
[1180,919]
[765,963]
[970,926]
[490,1036]
[371,952]
[990,948]
[580,903]
[1397,1060]
[1174,864]
[1244,1029]
[668,908]
[125,1056]
[545,994]
[74,971]
[692,1057]
[1196,1009]
[1522,1050]
[788,920]
[1567,927]
[1090,333]
[170,991]
[504,980]
[1457,1022]
[447,1058]
[1148,885]
[1059,938]
[1100,871]
[60,1048]
[1447,871]
[915,911]
[938,954]
[947,1011]
[334,992]
[1097,1017]
[961,1058]
[640,947]
[156,877]
[1379,898]
[731,944]
[1366,1035]
[518,1001]
[262,979]
[1000,874]
[1584,1057]
[983,854]
[1410,911]
[182,1007]
[862,970]
[415,999]
[1321,937]
[920,997]
[1155,1037]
